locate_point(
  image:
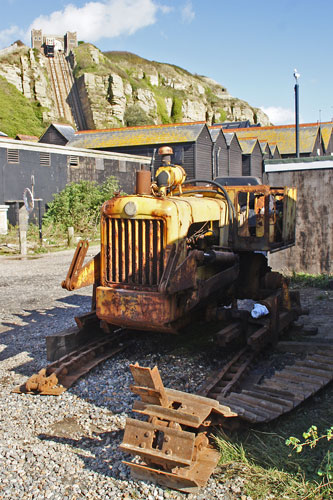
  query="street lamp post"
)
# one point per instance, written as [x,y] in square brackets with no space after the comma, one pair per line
[296,76]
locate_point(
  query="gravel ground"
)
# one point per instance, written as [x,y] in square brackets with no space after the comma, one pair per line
[66,447]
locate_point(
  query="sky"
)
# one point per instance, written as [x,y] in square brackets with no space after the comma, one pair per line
[250,47]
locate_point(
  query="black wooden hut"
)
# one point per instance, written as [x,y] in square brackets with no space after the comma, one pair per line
[219,152]
[252,158]
[234,162]
[191,144]
[59,134]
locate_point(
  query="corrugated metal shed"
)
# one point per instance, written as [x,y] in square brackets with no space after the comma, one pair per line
[134,136]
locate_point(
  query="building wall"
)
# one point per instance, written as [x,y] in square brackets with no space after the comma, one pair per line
[313,252]
[203,157]
[221,156]
[49,172]
[235,159]
[257,162]
[183,154]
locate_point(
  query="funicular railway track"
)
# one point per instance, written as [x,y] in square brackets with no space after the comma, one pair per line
[56,87]
[72,93]
[66,96]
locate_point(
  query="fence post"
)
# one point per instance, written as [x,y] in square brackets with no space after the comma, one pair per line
[70,236]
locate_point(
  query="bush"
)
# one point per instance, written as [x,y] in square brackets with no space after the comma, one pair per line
[135,116]
[78,205]
[176,110]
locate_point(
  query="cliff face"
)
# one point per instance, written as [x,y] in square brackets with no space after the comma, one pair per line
[26,69]
[121,89]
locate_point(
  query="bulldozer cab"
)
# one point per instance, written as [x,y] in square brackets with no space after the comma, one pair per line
[265,217]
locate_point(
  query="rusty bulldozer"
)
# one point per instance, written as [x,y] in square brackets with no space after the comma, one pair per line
[176,252]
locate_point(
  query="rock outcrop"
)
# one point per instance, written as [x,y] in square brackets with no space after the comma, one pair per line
[121,89]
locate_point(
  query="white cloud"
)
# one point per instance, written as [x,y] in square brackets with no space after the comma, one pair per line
[9,35]
[187,12]
[279,116]
[95,20]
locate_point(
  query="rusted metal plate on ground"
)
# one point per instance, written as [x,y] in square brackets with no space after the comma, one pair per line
[174,451]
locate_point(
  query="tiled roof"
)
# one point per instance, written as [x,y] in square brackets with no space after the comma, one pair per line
[229,136]
[66,130]
[135,136]
[214,133]
[22,137]
[326,132]
[284,137]
[247,145]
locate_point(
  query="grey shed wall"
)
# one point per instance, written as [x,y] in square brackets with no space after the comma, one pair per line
[52,176]
[221,156]
[313,252]
[253,164]
[234,159]
[203,156]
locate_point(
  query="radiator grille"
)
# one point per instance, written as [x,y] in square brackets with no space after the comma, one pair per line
[134,251]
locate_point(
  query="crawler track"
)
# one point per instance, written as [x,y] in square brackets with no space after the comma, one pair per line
[259,394]
[58,376]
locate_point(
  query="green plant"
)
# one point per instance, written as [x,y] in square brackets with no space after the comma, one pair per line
[78,205]
[136,116]
[161,110]
[219,116]
[18,115]
[176,110]
[311,439]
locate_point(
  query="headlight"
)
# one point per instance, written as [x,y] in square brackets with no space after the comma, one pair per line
[130,209]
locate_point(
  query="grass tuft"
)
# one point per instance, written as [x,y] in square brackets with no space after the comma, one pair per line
[311,280]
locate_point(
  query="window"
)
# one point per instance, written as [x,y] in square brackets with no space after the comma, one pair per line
[99,163]
[122,166]
[178,155]
[13,156]
[73,161]
[45,159]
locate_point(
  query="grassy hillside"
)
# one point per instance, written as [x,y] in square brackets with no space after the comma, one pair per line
[18,115]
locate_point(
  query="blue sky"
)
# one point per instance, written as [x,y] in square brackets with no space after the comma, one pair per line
[251,47]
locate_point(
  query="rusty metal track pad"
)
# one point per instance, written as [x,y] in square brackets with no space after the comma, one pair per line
[173,445]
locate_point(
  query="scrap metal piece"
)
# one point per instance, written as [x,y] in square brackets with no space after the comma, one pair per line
[79,276]
[173,444]
[58,376]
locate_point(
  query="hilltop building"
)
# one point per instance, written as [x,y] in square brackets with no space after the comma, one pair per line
[60,43]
